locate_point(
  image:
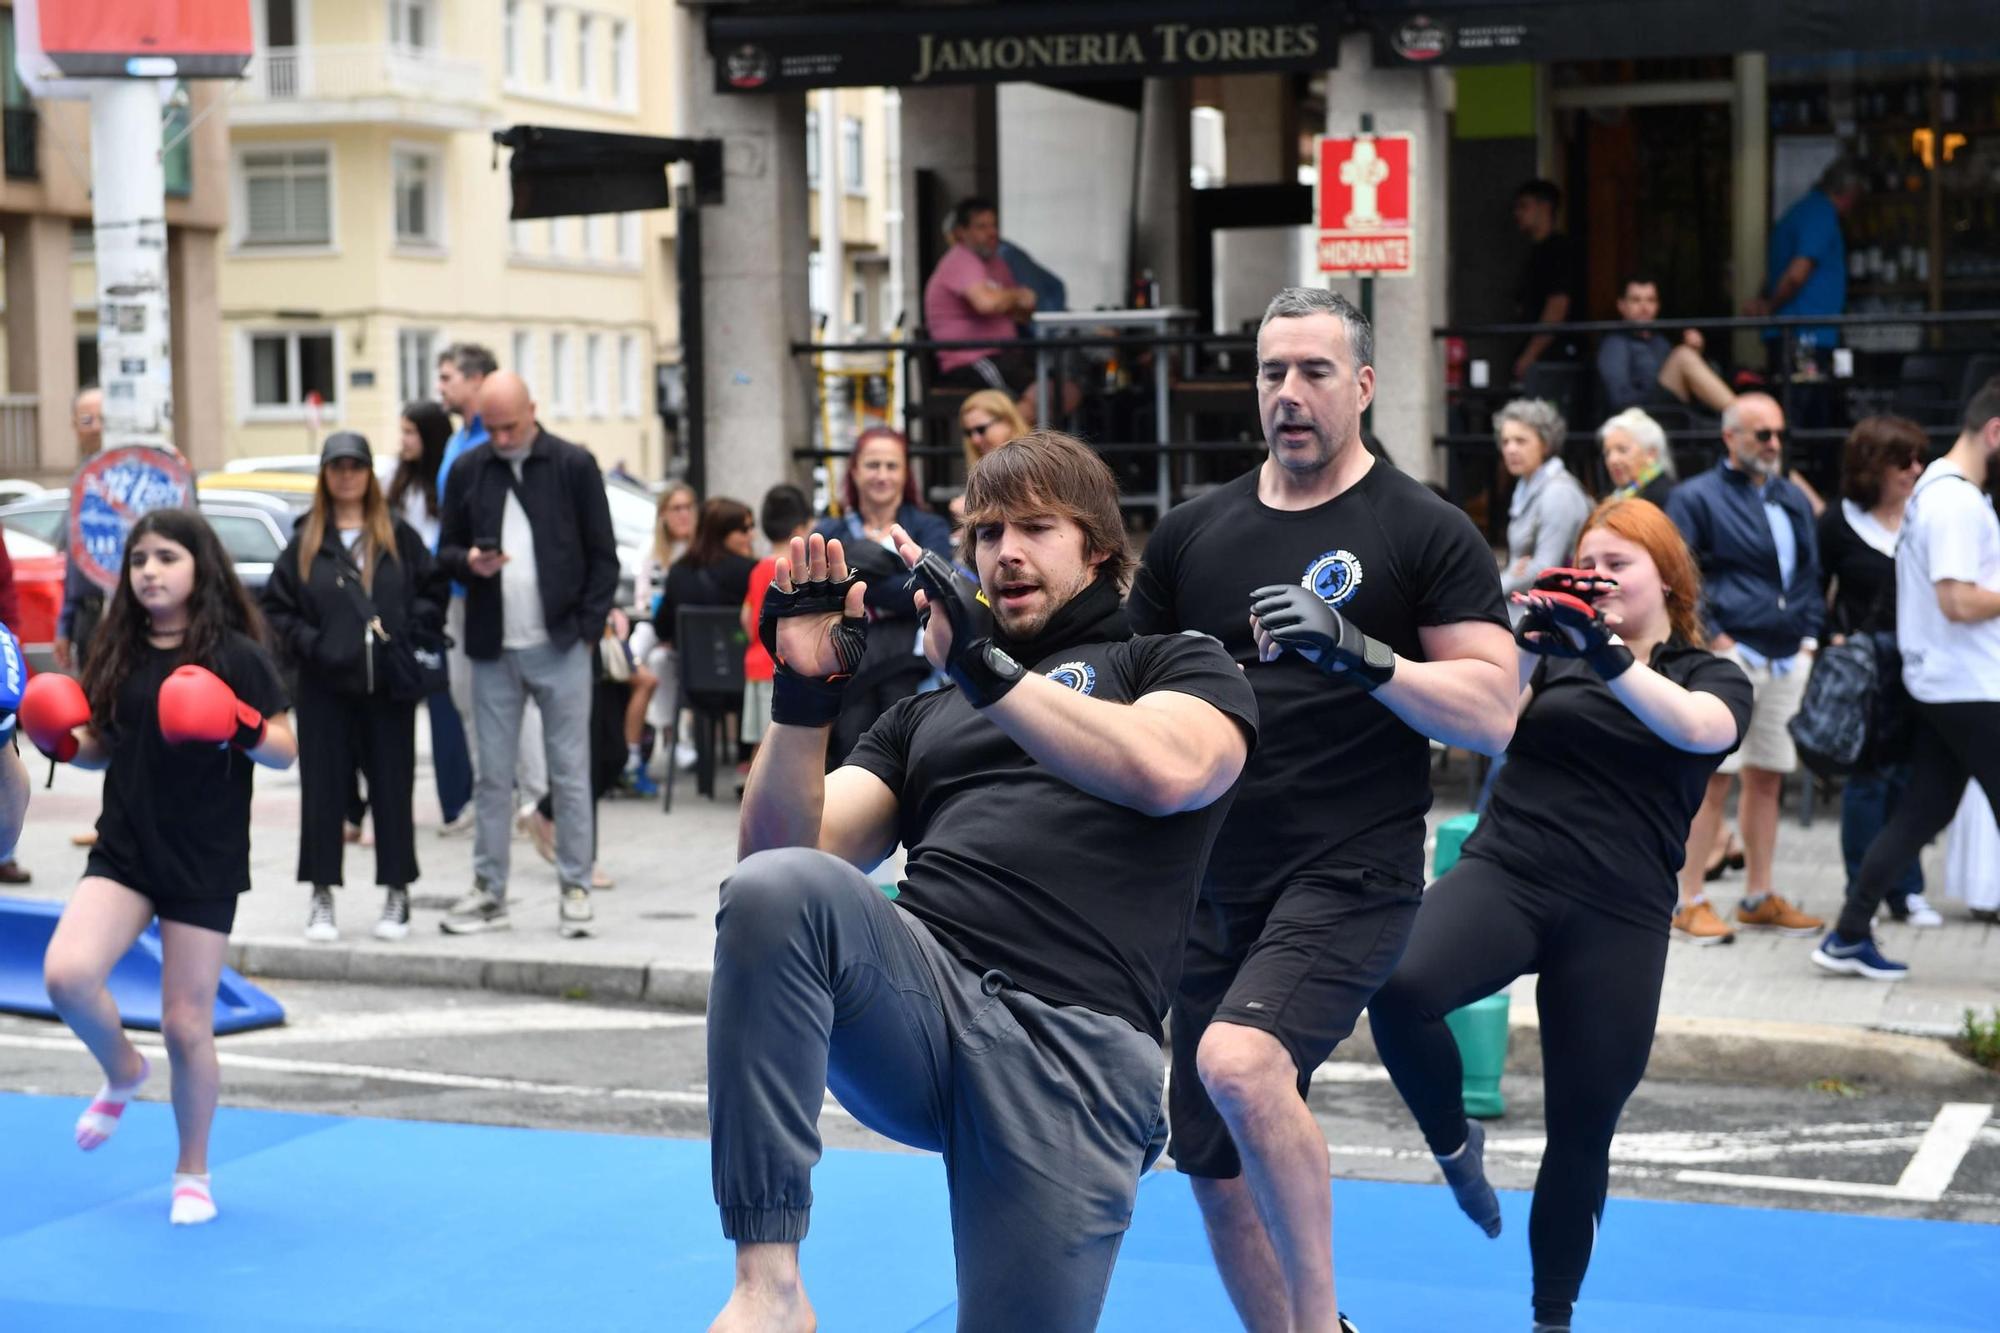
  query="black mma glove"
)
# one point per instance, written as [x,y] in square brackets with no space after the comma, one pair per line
[1299,619]
[1586,584]
[1602,649]
[982,671]
[812,701]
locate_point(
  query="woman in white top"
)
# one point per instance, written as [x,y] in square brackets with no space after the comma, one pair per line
[673,532]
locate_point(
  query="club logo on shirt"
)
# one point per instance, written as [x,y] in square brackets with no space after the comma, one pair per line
[1334,577]
[1078,676]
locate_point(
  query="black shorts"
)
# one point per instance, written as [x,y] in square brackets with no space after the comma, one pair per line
[210,913]
[1010,372]
[1300,965]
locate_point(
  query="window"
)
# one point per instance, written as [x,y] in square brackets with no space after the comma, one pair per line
[587,227]
[510,39]
[812,150]
[549,16]
[412,24]
[853,170]
[559,374]
[247,539]
[287,197]
[816,296]
[82,239]
[586,35]
[628,375]
[621,55]
[594,386]
[628,238]
[522,362]
[286,368]
[177,157]
[519,237]
[418,195]
[558,236]
[416,355]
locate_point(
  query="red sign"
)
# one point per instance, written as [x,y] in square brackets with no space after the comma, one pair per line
[109,494]
[1363,207]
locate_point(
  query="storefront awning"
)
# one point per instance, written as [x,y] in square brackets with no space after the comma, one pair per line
[1481,32]
[917,46]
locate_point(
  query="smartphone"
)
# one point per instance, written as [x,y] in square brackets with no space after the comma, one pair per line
[487,544]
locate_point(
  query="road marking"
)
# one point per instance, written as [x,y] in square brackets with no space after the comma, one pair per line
[484,1021]
[1925,1180]
[423,1077]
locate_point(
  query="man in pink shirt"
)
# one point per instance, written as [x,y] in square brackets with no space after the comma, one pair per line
[972,294]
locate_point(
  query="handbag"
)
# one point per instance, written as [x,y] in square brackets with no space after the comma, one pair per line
[1836,712]
[413,665]
[614,659]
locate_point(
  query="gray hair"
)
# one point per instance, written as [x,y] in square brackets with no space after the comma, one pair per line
[474,360]
[1643,429]
[1538,416]
[1299,302]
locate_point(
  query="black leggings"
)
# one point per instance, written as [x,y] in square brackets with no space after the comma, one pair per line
[1953,742]
[1479,928]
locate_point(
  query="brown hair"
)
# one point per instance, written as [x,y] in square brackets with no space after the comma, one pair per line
[1875,445]
[1646,523]
[1048,472]
[378,530]
[719,517]
[998,406]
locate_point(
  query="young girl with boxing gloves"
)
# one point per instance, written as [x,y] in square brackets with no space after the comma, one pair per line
[178,699]
[1571,874]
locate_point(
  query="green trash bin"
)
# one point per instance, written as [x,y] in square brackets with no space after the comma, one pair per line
[1480,1028]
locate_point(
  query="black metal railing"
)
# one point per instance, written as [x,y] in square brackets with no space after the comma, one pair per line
[18,134]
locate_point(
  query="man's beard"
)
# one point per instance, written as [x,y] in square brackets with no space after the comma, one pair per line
[1765,467]
[1291,459]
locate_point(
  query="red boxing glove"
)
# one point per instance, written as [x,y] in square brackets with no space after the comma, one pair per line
[1587,584]
[52,708]
[197,708]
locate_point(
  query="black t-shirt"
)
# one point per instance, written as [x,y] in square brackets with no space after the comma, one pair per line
[176,818]
[1079,900]
[1338,781]
[1592,803]
[1550,270]
[1866,596]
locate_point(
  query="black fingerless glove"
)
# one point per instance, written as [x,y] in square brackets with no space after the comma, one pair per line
[980,668]
[1299,619]
[811,701]
[1602,649]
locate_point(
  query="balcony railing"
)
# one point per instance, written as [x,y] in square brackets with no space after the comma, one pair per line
[17,129]
[345,73]
[20,445]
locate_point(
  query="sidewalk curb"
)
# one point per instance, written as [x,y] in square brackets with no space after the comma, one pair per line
[1693,1049]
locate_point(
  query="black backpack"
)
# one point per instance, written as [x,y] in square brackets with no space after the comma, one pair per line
[1854,715]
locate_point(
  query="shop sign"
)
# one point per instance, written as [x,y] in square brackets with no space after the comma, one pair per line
[1363,205]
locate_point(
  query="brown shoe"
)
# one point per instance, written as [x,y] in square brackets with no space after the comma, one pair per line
[87,838]
[1698,924]
[1774,913]
[11,873]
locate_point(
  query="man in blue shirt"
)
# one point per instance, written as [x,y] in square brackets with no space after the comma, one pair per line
[1753,534]
[1807,263]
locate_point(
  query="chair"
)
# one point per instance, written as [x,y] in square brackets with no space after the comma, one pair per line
[709,643]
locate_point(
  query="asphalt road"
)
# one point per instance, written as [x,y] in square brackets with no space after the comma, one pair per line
[428,1054]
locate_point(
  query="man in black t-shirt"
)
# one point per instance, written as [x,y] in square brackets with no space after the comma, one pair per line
[1377,622]
[1549,290]
[1057,807]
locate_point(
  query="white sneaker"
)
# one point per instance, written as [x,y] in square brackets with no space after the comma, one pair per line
[467,821]
[1922,914]
[685,755]
[395,922]
[573,916]
[320,928]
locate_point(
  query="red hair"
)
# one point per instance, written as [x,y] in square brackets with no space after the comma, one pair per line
[1646,524]
[850,491]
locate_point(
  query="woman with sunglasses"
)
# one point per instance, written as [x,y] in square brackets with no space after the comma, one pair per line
[1880,464]
[987,420]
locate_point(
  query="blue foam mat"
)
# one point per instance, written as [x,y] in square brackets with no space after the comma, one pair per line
[332,1223]
[25,927]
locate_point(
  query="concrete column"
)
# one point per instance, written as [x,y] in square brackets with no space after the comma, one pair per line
[1750,194]
[41,332]
[1409,368]
[757,405]
[951,134]
[1260,147]
[195,313]
[1160,227]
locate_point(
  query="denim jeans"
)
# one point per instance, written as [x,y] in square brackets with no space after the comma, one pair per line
[1866,803]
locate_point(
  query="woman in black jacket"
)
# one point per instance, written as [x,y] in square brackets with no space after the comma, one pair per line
[353,581]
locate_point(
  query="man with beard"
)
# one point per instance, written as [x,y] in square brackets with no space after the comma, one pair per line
[1367,615]
[1005,1010]
[1754,535]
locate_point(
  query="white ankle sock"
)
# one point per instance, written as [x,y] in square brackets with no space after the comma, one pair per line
[193,1203]
[100,1119]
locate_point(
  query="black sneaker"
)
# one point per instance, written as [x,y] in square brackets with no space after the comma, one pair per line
[395,922]
[320,927]
[479,910]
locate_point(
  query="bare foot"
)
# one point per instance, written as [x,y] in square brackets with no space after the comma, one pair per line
[766,1310]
